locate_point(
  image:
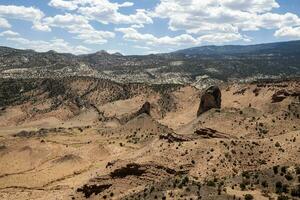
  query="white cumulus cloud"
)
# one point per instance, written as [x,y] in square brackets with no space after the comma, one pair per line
[132,34]
[31,14]
[255,6]
[288,32]
[103,11]
[9,33]
[79,25]
[4,23]
[62,4]
[229,17]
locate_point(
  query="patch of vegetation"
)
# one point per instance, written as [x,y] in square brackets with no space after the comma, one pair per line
[211,183]
[295,192]
[275,169]
[249,197]
[282,197]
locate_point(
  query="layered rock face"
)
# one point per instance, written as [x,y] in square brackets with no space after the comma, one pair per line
[282,94]
[210,99]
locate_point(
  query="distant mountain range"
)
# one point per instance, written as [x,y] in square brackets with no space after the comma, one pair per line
[282,48]
[198,65]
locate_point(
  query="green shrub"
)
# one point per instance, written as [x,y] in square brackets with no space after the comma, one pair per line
[283,169]
[297,169]
[295,192]
[282,197]
[288,177]
[242,186]
[249,197]
[264,184]
[211,183]
[275,169]
[277,144]
[278,186]
[246,175]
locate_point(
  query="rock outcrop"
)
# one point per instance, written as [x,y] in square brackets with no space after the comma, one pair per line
[208,133]
[282,94]
[172,137]
[210,99]
[131,174]
[89,190]
[145,109]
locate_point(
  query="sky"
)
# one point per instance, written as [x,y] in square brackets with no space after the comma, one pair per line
[144,26]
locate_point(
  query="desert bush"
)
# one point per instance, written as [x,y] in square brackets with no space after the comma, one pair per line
[211,183]
[295,192]
[288,177]
[297,169]
[275,169]
[264,184]
[246,175]
[283,169]
[282,197]
[278,187]
[277,144]
[249,197]
[242,186]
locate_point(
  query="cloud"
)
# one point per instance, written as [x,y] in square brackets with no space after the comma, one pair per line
[103,11]
[61,4]
[288,32]
[126,4]
[21,12]
[39,26]
[223,38]
[79,25]
[222,16]
[152,52]
[110,15]
[4,23]
[273,20]
[75,4]
[58,45]
[137,26]
[132,34]
[254,6]
[31,14]
[142,47]
[190,22]
[9,33]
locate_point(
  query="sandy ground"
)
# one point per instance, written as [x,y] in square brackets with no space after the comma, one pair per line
[76,150]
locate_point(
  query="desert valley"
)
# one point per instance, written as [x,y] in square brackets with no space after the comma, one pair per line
[91,138]
[149,100]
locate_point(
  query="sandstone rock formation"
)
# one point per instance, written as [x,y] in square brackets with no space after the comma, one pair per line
[282,94]
[210,133]
[144,109]
[172,137]
[210,99]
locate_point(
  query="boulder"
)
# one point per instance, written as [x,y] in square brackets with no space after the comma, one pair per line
[211,98]
[144,109]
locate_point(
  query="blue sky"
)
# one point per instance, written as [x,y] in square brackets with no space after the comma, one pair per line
[144,26]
